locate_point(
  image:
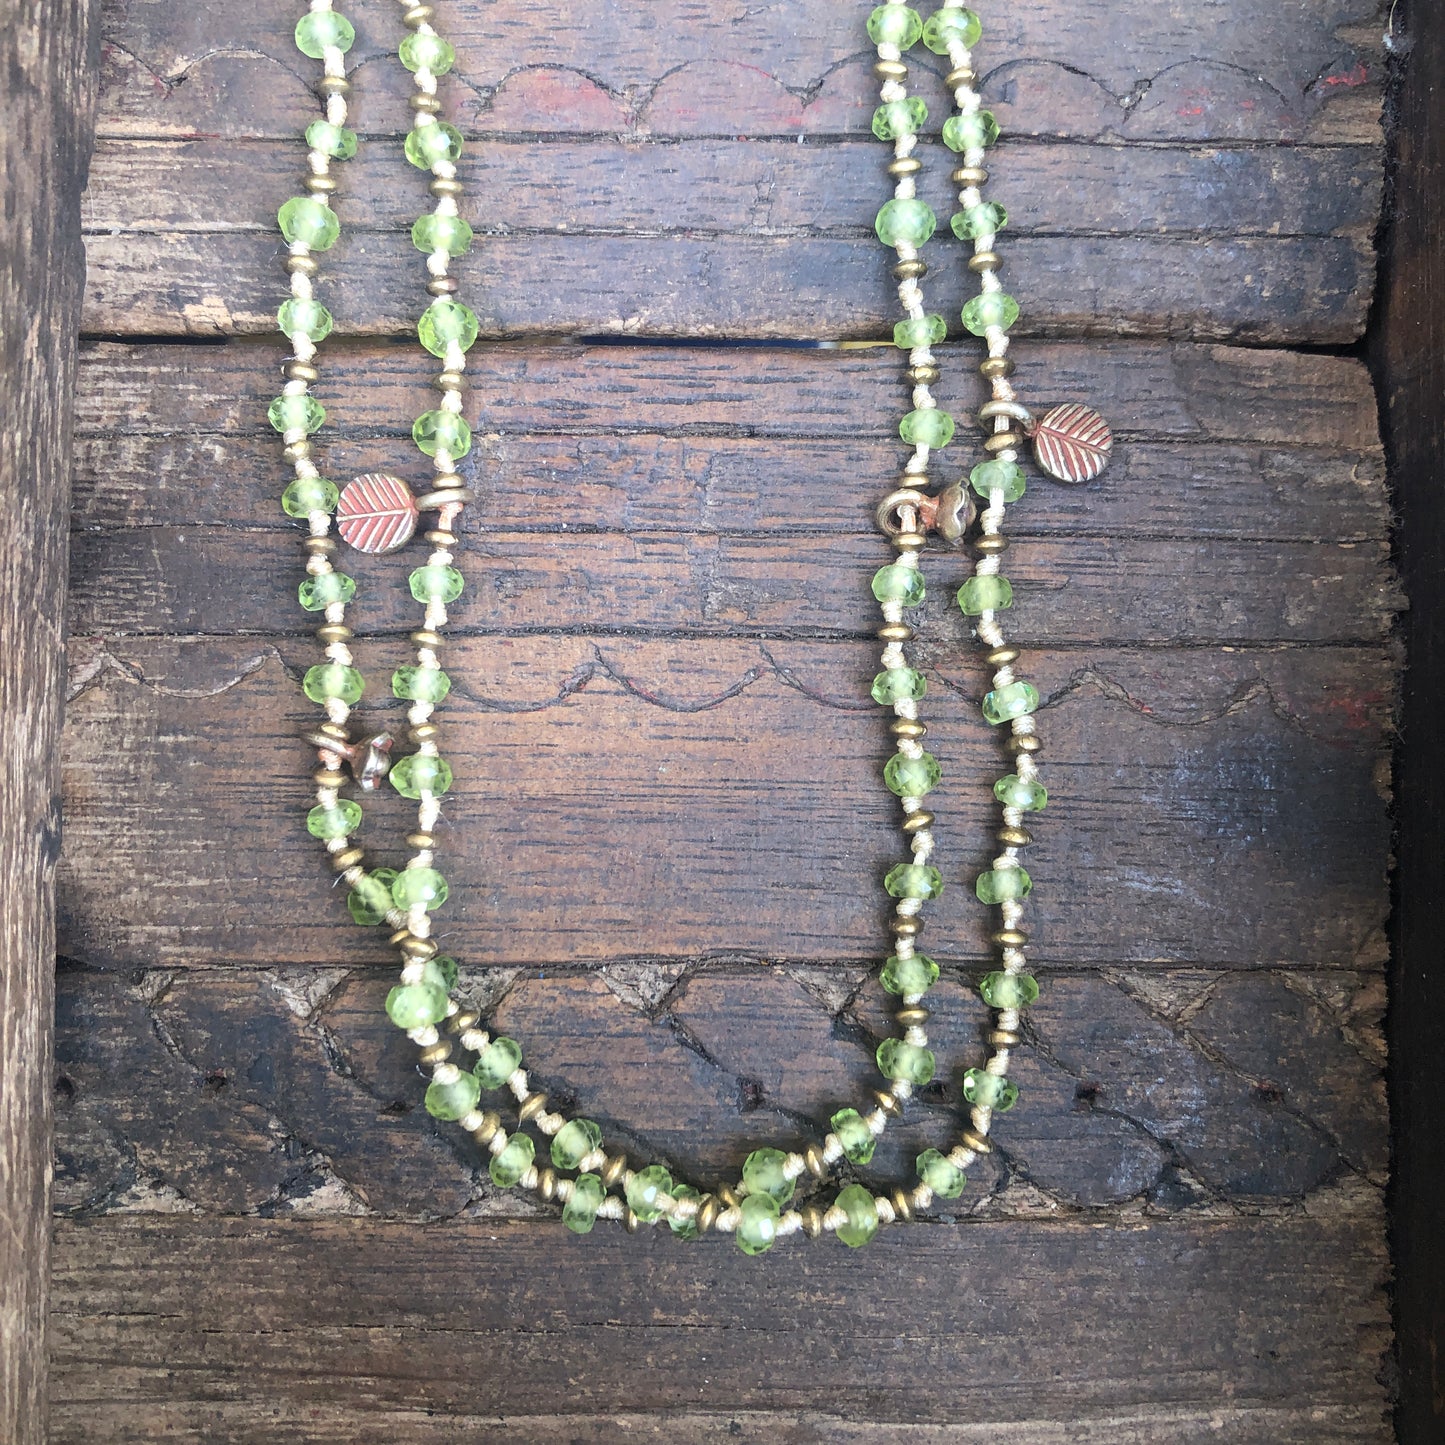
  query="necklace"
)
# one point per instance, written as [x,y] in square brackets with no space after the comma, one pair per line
[379,512]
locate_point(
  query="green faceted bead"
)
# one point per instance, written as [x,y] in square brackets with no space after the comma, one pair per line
[912,975]
[434,583]
[899,117]
[370,898]
[340,820]
[911,777]
[895,25]
[497,1062]
[944,1178]
[420,51]
[854,1135]
[425,145]
[579,1213]
[928,427]
[419,885]
[288,413]
[763,1174]
[898,1060]
[897,583]
[319,592]
[322,29]
[862,1211]
[989,1091]
[333,679]
[1006,477]
[574,1141]
[913,880]
[985,593]
[441,233]
[919,331]
[1003,885]
[436,431]
[984,219]
[898,684]
[508,1167]
[1013,792]
[304,218]
[420,684]
[310,318]
[444,322]
[451,1101]
[420,772]
[1008,990]
[970,132]
[441,971]
[331,140]
[309,494]
[684,1228]
[644,1189]
[1005,703]
[415,1005]
[758,1226]
[909,220]
[947,27]
[993,308]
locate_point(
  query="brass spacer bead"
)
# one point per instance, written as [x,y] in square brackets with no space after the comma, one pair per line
[971,1139]
[727,1195]
[422,948]
[923,375]
[708,1210]
[449,381]
[980,262]
[995,366]
[334,730]
[444,497]
[330,632]
[1003,441]
[613,1170]
[902,1205]
[1009,937]
[1015,837]
[992,543]
[334,85]
[437,1053]
[910,270]
[890,70]
[320,185]
[300,371]
[631,1223]
[442,186]
[347,858]
[297,451]
[547,1184]
[305,265]
[442,286]
[888,1102]
[438,538]
[817,1165]
[417,15]
[963,75]
[425,637]
[812,1218]
[463,1020]
[969,176]
[428,103]
[1002,656]
[1023,743]
[1003,1039]
[320,546]
[917,822]
[896,632]
[908,541]
[424,732]
[907,727]
[420,841]
[914,1015]
[906,925]
[530,1107]
[325,778]
[486,1131]
[905,166]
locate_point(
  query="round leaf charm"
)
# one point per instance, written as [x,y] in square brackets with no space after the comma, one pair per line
[376,513]
[1072,443]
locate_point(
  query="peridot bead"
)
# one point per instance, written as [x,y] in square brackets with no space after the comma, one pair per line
[304,218]
[419,885]
[370,898]
[1003,885]
[909,220]
[415,1005]
[951,27]
[441,970]
[1013,792]
[915,974]
[985,593]
[342,818]
[420,772]
[913,880]
[1005,703]
[309,494]
[434,141]
[333,679]
[451,1101]
[289,413]
[857,1139]
[436,583]
[919,331]
[899,1060]
[441,233]
[497,1062]
[943,1177]
[508,1167]
[911,777]
[1008,990]
[898,25]
[420,684]
[444,322]
[574,1141]
[862,1211]
[758,1223]
[984,219]
[644,1189]
[899,117]
[420,51]
[437,431]
[322,30]
[897,583]
[310,318]
[989,1091]
[763,1173]
[927,427]
[331,140]
[579,1213]
[970,132]
[993,308]
[319,592]
[897,684]
[684,1228]
[998,476]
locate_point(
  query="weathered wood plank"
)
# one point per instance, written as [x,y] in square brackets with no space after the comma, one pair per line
[159,1315]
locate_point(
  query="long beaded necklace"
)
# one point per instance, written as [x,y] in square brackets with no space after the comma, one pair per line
[378,512]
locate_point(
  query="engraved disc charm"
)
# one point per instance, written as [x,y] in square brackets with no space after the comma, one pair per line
[376,513]
[1072,443]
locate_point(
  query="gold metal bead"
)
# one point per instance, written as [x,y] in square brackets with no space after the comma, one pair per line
[910,270]
[1009,937]
[917,822]
[463,1020]
[613,1170]
[320,185]
[449,381]
[992,543]
[320,546]
[443,286]
[305,265]
[1023,743]
[325,778]
[347,858]
[1003,441]
[727,1195]
[334,85]
[424,732]
[982,261]
[300,371]
[708,1210]
[817,1165]
[437,1053]
[890,70]
[297,451]
[418,948]
[486,1131]
[334,730]
[906,925]
[1002,656]
[547,1184]
[1015,837]
[969,176]
[444,497]
[1003,1039]
[417,15]
[905,166]
[996,366]
[896,632]
[439,538]
[908,541]
[888,1102]
[971,1139]
[530,1107]
[907,727]
[426,637]
[914,1016]
[428,103]
[812,1218]
[902,1205]
[420,841]
[330,632]
[442,186]
[631,1223]
[963,75]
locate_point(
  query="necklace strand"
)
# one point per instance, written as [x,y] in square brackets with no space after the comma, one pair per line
[589,1182]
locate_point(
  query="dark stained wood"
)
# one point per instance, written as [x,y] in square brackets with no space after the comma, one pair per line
[47,67]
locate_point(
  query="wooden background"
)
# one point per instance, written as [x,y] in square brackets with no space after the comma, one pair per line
[667,824]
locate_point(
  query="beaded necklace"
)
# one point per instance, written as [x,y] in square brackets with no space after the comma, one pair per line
[377,513]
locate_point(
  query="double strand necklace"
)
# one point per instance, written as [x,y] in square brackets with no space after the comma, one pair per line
[493,1099]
